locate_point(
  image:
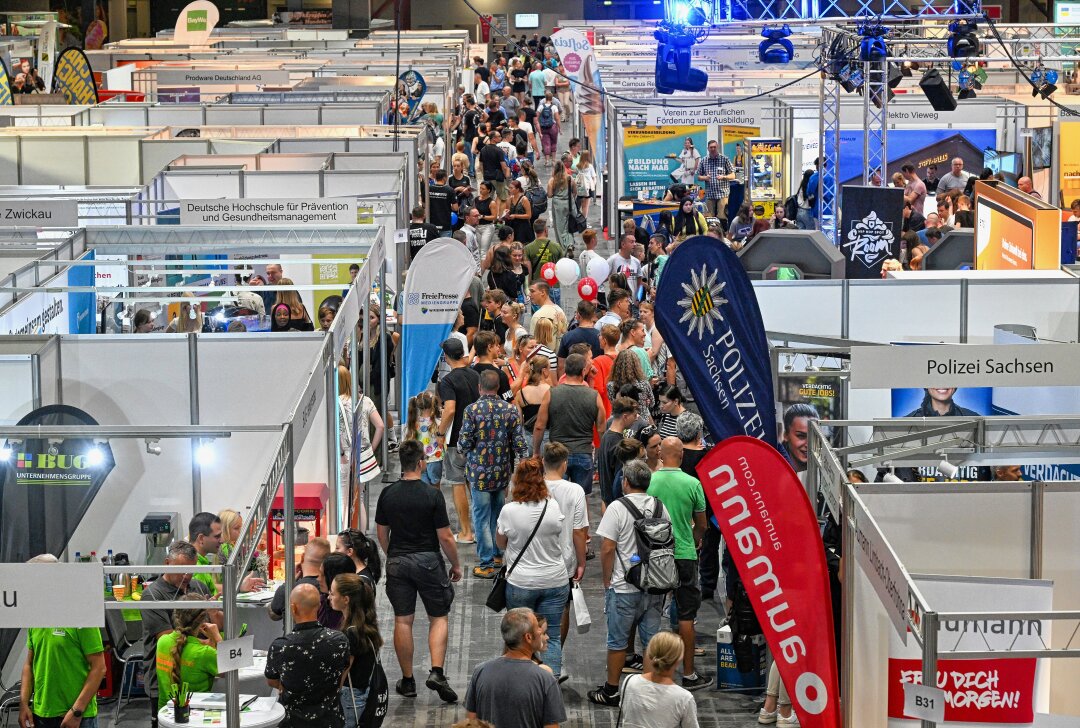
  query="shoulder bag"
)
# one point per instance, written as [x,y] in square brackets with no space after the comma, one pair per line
[576,222]
[496,600]
[378,698]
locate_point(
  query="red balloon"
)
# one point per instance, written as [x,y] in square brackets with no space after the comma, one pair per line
[547,272]
[586,288]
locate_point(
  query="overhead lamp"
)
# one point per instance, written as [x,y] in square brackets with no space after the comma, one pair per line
[204,452]
[964,39]
[776,48]
[966,79]
[1043,82]
[95,456]
[673,71]
[152,446]
[908,67]
[6,453]
[890,477]
[948,469]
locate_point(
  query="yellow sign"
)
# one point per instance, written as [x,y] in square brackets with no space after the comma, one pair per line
[1068,161]
[733,140]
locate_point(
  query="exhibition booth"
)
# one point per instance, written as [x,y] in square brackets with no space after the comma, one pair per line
[975,582]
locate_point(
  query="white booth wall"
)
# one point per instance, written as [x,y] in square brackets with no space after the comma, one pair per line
[968,535]
[246,379]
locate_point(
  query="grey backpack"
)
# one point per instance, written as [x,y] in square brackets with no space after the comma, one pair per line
[655,571]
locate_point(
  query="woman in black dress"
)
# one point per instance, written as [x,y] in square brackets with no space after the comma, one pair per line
[519,213]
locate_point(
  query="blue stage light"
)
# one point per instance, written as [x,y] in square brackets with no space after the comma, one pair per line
[776,48]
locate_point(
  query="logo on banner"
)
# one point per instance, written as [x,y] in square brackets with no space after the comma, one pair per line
[197,21]
[5,85]
[869,240]
[571,62]
[703,301]
[51,468]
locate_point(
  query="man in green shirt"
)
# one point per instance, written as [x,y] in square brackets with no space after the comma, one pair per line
[684,501]
[204,533]
[63,670]
[542,250]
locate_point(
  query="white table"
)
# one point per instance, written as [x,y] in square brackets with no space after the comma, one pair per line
[263,713]
[252,679]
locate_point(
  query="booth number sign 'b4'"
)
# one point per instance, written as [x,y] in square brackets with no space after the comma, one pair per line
[237,653]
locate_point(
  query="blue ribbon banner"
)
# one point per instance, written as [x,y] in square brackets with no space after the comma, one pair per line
[707,311]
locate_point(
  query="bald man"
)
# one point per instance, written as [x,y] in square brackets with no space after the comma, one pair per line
[1024,185]
[684,501]
[307,665]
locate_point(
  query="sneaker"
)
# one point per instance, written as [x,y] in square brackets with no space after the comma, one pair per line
[392,446]
[699,652]
[438,682]
[765,717]
[563,678]
[406,686]
[634,663]
[498,560]
[792,721]
[458,538]
[698,682]
[484,572]
[601,696]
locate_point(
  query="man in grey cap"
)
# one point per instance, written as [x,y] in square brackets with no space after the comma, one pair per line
[457,390]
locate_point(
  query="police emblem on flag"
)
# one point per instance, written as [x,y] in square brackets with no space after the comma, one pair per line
[701,306]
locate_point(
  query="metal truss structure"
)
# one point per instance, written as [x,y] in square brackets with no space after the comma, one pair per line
[781,10]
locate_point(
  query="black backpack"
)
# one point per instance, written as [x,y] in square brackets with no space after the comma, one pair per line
[791,207]
[521,142]
[655,571]
[537,197]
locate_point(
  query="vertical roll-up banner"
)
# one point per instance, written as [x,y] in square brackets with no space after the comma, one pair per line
[46,52]
[5,86]
[73,78]
[46,486]
[435,285]
[708,313]
[576,54]
[195,23]
[873,218]
[773,538]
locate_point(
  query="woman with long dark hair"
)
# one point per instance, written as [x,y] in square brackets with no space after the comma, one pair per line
[501,274]
[353,597]
[355,544]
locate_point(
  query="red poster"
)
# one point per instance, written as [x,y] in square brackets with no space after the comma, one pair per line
[976,691]
[772,533]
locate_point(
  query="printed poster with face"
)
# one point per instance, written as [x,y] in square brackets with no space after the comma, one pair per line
[943,402]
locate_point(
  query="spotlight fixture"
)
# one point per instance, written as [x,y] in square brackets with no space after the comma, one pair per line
[907,67]
[1043,82]
[872,48]
[5,453]
[948,469]
[966,79]
[890,477]
[964,39]
[776,48]
[152,446]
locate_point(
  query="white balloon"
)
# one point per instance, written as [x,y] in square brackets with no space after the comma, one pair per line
[566,270]
[598,269]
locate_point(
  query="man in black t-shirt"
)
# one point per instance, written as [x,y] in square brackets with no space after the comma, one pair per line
[412,527]
[457,390]
[585,331]
[494,163]
[420,232]
[441,202]
[494,116]
[470,126]
[470,314]
[488,348]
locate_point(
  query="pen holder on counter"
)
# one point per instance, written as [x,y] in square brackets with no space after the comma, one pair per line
[182,713]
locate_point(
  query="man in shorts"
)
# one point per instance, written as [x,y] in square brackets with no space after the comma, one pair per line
[412,528]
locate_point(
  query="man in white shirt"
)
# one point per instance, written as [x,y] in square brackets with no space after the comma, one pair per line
[526,127]
[472,219]
[625,605]
[481,90]
[508,148]
[549,79]
[589,254]
[571,500]
[618,302]
[624,262]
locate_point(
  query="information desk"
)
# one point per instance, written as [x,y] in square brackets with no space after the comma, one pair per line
[263,713]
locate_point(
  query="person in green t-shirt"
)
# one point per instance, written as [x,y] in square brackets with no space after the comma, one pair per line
[684,501]
[188,654]
[63,670]
[542,250]
[204,533]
